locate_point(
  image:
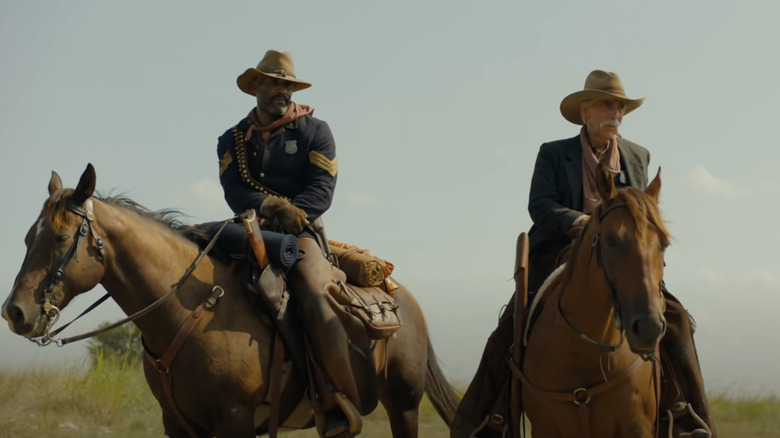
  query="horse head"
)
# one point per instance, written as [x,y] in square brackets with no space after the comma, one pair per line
[64,258]
[629,238]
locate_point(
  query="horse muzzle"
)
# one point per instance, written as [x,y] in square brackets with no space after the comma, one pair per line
[644,333]
[26,321]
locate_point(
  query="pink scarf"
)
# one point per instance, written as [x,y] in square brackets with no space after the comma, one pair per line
[590,194]
[294,111]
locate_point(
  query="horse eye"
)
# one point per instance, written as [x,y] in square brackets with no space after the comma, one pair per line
[62,238]
[611,241]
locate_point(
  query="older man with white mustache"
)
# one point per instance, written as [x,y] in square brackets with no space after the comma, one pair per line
[563,195]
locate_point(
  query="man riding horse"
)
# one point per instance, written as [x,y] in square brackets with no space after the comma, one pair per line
[563,195]
[281,162]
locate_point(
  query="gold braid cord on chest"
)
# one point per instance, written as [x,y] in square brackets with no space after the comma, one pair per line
[243,169]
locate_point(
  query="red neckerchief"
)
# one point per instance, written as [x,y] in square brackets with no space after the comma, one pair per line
[294,111]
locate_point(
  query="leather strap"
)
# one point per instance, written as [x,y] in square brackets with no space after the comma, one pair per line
[163,364]
[580,396]
[166,381]
[146,310]
[657,386]
[276,382]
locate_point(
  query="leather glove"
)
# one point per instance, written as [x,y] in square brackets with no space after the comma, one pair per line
[270,206]
[292,219]
[578,227]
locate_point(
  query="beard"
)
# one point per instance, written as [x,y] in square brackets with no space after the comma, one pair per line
[278,110]
[277,105]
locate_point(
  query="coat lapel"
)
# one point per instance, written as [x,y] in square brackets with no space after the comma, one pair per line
[633,163]
[573,163]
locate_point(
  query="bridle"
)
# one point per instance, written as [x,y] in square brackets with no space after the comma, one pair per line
[582,396]
[52,312]
[597,249]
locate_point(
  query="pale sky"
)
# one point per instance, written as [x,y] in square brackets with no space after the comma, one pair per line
[438,109]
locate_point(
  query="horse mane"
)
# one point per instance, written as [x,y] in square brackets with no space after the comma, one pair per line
[54,210]
[171,218]
[643,210]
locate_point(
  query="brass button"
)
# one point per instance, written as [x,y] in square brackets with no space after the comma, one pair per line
[262,174]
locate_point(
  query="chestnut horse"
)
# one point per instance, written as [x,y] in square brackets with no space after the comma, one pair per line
[221,376]
[579,378]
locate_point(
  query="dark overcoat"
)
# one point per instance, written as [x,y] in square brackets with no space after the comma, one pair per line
[556,198]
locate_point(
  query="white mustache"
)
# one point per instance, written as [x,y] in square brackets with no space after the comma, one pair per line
[610,122]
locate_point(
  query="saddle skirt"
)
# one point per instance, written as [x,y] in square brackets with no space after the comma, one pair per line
[534,305]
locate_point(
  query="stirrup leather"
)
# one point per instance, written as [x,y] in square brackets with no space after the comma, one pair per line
[681,410]
[494,422]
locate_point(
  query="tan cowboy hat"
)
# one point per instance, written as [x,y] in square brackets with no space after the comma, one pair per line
[598,85]
[274,64]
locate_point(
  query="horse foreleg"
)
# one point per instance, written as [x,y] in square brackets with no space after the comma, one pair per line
[174,430]
[238,424]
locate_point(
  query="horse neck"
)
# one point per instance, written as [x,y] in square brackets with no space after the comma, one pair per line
[144,259]
[586,301]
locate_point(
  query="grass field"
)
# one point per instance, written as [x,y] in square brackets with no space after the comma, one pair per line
[112,401]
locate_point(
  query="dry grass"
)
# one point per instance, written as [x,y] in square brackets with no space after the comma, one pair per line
[108,401]
[743,416]
[114,401]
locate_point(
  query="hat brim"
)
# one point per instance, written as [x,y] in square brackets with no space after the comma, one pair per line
[570,105]
[247,81]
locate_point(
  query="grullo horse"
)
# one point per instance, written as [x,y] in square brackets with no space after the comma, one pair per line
[220,379]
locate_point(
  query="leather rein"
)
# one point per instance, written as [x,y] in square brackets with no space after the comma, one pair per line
[596,247]
[52,312]
[582,396]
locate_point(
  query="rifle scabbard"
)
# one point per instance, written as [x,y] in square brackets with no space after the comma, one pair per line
[255,237]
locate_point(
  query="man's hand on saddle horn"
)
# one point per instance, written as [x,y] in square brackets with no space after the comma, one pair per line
[292,219]
[577,227]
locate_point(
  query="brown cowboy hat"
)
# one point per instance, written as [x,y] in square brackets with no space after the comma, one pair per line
[598,85]
[274,64]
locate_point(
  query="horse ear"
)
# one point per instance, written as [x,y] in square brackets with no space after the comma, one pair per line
[86,186]
[55,183]
[654,189]
[605,182]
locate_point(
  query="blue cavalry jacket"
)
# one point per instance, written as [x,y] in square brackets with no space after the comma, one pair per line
[298,162]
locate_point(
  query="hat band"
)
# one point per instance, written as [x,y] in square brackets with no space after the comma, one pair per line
[281,73]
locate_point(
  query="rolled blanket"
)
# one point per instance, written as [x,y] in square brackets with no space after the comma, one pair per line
[282,248]
[360,266]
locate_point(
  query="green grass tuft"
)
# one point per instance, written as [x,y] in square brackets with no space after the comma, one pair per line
[110,399]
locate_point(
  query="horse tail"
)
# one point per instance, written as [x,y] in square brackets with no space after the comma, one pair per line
[441,394]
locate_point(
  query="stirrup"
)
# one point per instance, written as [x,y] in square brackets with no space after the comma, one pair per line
[352,418]
[681,410]
[335,424]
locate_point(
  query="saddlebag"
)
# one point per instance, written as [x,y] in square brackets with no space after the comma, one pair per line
[372,305]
